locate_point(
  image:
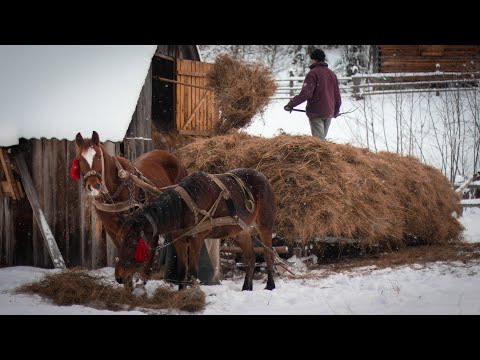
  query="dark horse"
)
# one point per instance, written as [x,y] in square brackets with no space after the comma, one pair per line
[203,206]
[120,187]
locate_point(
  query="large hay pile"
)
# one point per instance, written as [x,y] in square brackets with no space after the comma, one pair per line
[77,287]
[242,90]
[325,190]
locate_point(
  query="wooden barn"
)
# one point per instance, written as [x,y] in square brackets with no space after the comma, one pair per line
[172,97]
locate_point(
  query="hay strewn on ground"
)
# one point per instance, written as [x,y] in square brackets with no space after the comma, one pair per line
[76,287]
[242,90]
[330,190]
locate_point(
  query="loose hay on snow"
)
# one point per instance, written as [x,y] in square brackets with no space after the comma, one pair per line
[77,287]
[242,90]
[325,190]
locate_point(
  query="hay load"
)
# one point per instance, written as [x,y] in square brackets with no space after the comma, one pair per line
[326,191]
[242,91]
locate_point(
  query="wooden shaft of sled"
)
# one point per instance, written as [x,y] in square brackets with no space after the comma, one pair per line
[466,183]
[32,196]
[258,250]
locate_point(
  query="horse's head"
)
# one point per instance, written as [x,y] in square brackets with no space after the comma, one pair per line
[134,255]
[90,158]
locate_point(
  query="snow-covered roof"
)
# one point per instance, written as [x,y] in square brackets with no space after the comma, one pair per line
[56,91]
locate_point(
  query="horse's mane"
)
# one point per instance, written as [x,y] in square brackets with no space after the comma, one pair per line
[166,210]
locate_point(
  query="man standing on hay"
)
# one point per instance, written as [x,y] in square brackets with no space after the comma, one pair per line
[322,93]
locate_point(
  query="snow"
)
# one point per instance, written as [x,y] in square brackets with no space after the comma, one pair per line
[56,91]
[433,288]
[471,221]
[436,288]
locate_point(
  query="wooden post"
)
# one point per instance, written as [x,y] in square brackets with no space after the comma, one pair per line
[292,92]
[111,249]
[32,196]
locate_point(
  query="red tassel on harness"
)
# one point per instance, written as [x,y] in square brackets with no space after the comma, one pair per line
[75,170]
[142,253]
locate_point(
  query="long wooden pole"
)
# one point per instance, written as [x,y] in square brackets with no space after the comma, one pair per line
[32,196]
[180,83]
[259,250]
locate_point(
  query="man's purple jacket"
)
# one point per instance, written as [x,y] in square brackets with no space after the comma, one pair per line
[320,90]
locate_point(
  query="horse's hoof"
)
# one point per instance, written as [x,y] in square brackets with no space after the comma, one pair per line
[270,285]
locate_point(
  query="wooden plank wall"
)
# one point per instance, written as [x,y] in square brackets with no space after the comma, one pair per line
[80,236]
[196,111]
[138,139]
[7,232]
[423,58]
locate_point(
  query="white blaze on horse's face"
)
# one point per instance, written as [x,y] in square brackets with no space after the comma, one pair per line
[88,155]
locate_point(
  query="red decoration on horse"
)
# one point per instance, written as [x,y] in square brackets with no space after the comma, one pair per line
[142,253]
[75,170]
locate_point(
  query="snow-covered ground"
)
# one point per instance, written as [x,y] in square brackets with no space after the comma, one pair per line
[437,288]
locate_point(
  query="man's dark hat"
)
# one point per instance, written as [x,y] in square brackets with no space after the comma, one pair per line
[317,54]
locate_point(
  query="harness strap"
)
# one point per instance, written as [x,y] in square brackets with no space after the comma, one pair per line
[191,204]
[249,203]
[154,226]
[145,184]
[115,207]
[104,186]
[221,221]
[226,193]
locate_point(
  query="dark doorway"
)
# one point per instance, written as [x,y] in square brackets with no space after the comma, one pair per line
[163,111]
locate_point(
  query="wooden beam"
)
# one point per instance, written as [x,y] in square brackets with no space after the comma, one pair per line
[180,83]
[258,250]
[32,196]
[12,189]
[189,120]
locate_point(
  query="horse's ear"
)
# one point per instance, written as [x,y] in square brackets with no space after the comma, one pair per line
[79,140]
[95,138]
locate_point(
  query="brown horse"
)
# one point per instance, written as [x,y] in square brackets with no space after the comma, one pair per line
[202,206]
[120,187]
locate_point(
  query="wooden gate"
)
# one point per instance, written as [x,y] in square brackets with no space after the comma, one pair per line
[196,111]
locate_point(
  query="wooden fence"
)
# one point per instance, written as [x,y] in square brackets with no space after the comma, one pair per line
[361,85]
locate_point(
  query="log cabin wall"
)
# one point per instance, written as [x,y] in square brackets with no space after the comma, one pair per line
[428,58]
